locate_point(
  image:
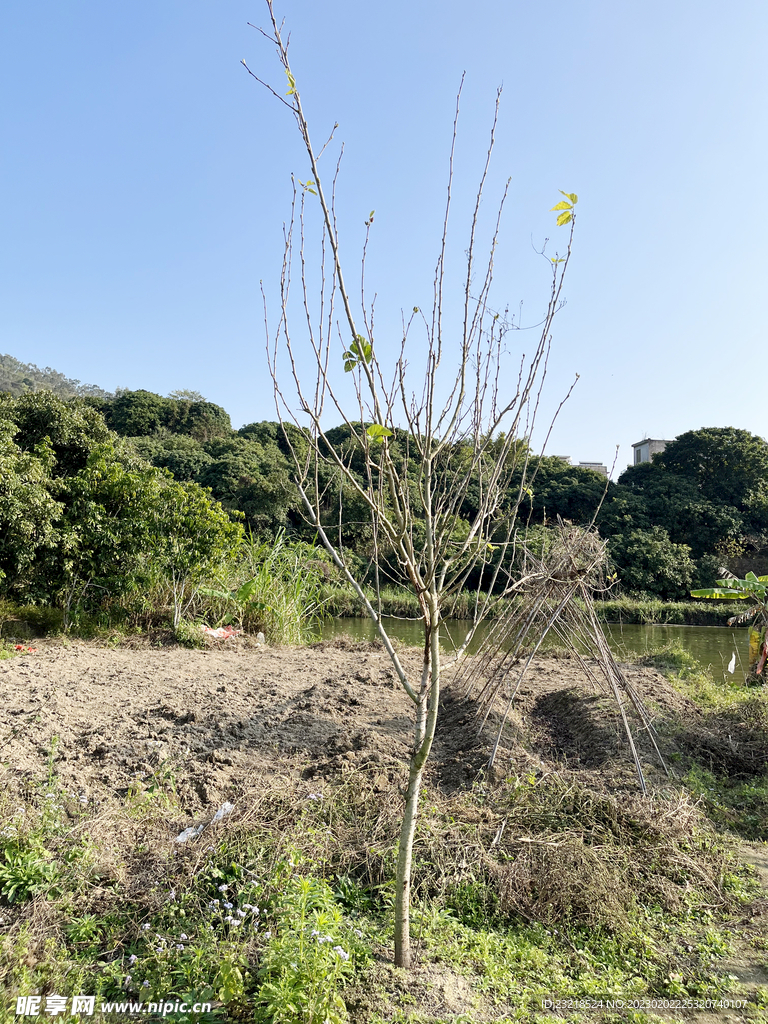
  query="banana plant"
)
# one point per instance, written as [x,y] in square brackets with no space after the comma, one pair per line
[751,588]
[246,599]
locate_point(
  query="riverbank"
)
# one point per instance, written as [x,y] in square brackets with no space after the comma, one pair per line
[342,603]
[551,878]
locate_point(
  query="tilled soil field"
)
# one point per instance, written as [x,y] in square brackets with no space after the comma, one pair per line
[219,718]
[235,721]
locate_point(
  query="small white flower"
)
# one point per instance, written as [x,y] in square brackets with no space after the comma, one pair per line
[267,935]
[342,953]
[223,888]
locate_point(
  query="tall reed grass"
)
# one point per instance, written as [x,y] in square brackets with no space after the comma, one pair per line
[674,613]
[341,602]
[275,587]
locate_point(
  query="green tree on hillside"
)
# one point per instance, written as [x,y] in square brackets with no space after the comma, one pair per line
[17,378]
[674,502]
[184,457]
[142,413]
[84,520]
[71,428]
[707,491]
[28,513]
[287,436]
[560,489]
[252,478]
[726,464]
[649,562]
[187,395]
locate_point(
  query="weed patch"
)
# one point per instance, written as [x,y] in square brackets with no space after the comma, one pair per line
[727,754]
[553,880]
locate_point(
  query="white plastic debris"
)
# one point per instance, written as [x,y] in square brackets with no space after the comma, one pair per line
[732,663]
[225,809]
[189,833]
[194,831]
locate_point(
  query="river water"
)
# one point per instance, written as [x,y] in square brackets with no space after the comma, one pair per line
[712,646]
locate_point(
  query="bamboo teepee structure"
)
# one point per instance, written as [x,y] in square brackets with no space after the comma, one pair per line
[557,598]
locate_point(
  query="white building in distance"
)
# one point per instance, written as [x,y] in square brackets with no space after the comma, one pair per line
[596,467]
[645,450]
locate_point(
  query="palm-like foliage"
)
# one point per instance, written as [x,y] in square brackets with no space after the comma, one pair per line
[751,588]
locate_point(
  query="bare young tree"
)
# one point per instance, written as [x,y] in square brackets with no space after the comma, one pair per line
[440,465]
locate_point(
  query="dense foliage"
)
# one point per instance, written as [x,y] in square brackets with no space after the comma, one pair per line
[673,522]
[91,485]
[669,525]
[84,521]
[16,378]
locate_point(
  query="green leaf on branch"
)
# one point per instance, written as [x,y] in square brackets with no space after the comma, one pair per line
[359,351]
[376,432]
[291,83]
[567,207]
[308,186]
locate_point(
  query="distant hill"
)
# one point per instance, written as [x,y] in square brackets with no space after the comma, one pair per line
[17,378]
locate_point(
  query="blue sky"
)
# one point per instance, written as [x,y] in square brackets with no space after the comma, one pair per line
[145,180]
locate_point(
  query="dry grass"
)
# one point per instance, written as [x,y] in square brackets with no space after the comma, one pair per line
[552,850]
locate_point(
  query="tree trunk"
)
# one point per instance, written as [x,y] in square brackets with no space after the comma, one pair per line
[404,858]
[426,720]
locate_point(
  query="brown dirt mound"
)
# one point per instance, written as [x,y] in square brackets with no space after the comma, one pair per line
[217,718]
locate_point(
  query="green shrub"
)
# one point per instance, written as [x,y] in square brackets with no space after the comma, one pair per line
[306,963]
[647,560]
[189,634]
